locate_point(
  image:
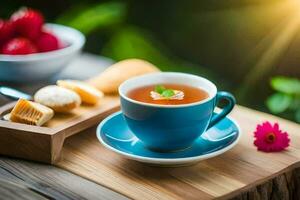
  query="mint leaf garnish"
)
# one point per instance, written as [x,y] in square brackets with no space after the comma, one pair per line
[168,93]
[164,92]
[159,89]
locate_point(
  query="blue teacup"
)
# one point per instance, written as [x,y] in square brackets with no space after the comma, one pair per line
[172,127]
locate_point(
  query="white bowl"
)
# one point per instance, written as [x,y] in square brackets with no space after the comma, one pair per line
[41,66]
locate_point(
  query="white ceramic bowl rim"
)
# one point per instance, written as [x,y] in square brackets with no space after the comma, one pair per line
[73,37]
[168,77]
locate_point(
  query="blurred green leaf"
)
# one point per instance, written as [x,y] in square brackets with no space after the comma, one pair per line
[69,14]
[286,85]
[89,18]
[295,103]
[279,102]
[132,42]
[297,115]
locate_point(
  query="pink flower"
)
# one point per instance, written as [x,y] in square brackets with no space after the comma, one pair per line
[270,138]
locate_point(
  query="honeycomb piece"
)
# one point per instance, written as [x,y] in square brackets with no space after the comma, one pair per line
[28,112]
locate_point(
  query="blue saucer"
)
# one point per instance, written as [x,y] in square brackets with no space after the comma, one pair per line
[115,135]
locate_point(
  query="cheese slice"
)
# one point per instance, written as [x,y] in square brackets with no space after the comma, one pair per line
[88,93]
[28,112]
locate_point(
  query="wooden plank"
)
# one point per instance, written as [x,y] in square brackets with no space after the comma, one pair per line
[26,180]
[225,176]
[9,190]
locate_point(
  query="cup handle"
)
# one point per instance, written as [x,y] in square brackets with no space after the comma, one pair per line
[226,110]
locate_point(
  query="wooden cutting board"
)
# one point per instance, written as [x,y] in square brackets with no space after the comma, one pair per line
[44,143]
[224,176]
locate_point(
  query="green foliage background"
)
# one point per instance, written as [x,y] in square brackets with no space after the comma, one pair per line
[239,44]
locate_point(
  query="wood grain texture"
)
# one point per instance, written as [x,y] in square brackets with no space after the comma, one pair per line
[226,176]
[9,190]
[283,186]
[44,144]
[26,180]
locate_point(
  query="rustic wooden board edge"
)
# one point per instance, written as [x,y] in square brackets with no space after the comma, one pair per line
[294,166]
[246,188]
[34,146]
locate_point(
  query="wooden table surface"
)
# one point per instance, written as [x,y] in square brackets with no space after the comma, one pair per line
[21,179]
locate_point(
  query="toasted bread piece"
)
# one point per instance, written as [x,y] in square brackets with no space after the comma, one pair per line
[88,93]
[109,80]
[58,98]
[28,112]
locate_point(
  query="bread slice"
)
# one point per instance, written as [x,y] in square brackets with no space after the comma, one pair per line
[109,80]
[28,112]
[58,98]
[88,93]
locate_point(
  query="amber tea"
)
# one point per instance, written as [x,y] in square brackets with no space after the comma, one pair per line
[168,94]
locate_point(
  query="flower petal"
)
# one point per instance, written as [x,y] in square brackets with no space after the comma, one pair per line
[280,142]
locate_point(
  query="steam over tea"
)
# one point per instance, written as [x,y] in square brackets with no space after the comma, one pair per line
[168,94]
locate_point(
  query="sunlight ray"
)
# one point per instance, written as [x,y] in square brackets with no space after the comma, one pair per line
[266,62]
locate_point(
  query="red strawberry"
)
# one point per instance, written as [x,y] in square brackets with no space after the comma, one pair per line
[28,22]
[18,46]
[47,42]
[6,30]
